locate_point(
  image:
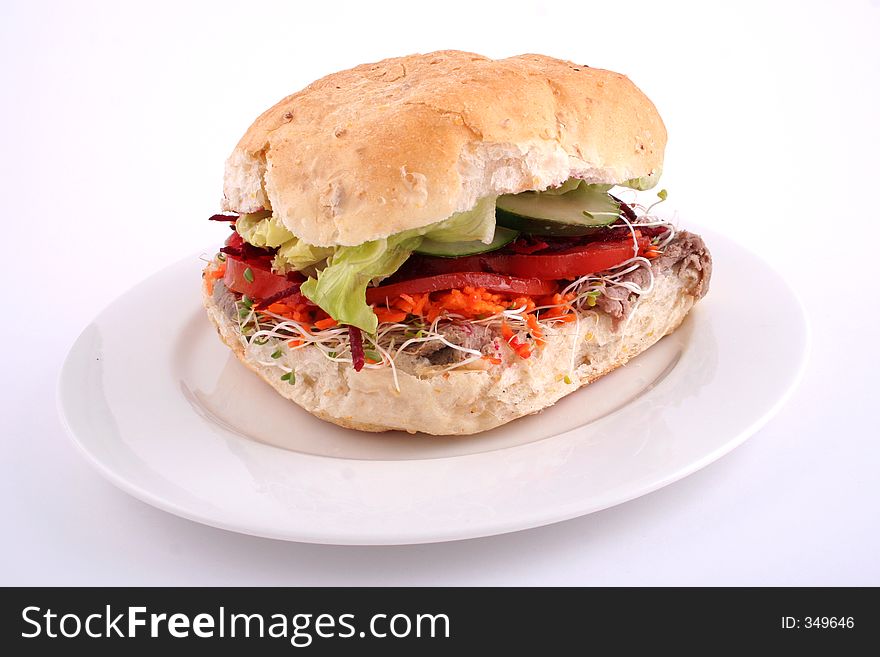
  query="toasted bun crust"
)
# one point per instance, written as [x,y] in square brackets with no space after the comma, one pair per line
[469,401]
[406,142]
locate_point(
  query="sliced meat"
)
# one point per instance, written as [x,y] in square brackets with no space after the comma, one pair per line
[617,300]
[469,336]
[686,256]
[225,300]
[426,348]
[689,258]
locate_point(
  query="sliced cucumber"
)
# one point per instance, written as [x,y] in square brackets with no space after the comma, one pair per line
[580,211]
[503,236]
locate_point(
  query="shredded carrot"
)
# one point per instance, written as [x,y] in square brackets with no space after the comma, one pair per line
[294,343]
[492,359]
[432,312]
[471,302]
[561,308]
[405,303]
[387,315]
[520,349]
[419,302]
[532,321]
[278,308]
[322,324]
[536,331]
[519,302]
[213,275]
[303,313]
[397,309]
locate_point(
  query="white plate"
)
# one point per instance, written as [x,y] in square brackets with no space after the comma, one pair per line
[164,411]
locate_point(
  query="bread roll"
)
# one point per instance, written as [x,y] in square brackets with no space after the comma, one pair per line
[406,142]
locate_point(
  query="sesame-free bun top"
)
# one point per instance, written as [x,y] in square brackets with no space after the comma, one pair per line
[406,142]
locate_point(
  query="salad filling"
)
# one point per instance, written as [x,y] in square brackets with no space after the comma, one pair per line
[388,304]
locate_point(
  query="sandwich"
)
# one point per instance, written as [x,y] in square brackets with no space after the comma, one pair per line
[442,243]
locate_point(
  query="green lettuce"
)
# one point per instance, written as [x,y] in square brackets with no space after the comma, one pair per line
[569,185]
[296,255]
[262,229]
[642,184]
[475,224]
[340,288]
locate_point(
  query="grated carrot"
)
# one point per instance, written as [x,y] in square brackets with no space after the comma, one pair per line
[519,302]
[520,349]
[329,322]
[471,302]
[561,309]
[278,308]
[404,302]
[419,302]
[535,330]
[213,275]
[386,315]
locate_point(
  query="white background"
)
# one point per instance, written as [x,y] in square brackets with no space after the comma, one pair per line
[115,122]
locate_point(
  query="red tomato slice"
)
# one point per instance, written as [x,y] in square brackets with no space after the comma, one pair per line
[234,239]
[568,264]
[489,281]
[254,277]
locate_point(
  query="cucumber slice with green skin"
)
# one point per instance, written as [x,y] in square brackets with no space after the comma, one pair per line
[503,237]
[581,211]
[541,227]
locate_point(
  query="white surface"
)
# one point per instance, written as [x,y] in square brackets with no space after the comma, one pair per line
[115,123]
[217,447]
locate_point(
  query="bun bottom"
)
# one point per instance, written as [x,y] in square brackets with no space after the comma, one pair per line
[460,402]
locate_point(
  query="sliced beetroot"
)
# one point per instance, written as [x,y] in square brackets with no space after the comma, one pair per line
[235,246]
[527,244]
[357,348]
[618,232]
[628,212]
[285,294]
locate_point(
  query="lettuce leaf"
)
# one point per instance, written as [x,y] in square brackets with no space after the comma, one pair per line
[473,225]
[262,229]
[569,185]
[341,287]
[296,255]
[644,183]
